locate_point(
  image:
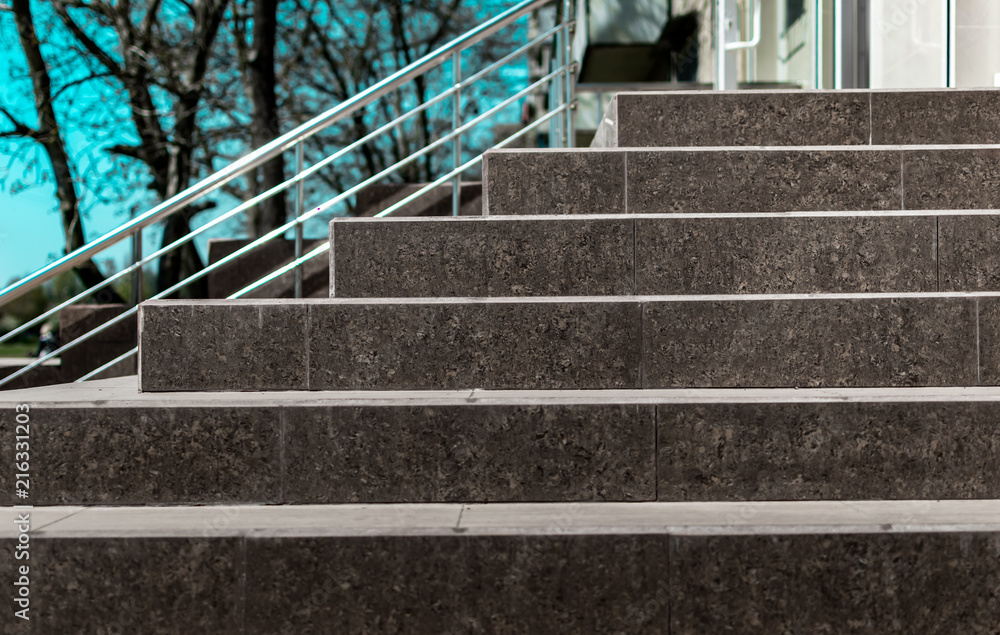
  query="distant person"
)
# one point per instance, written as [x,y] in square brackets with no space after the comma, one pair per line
[676,50]
[48,340]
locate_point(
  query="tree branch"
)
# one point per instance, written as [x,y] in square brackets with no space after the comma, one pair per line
[91,46]
[77,82]
[20,129]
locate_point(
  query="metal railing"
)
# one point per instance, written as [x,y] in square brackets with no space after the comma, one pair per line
[559,83]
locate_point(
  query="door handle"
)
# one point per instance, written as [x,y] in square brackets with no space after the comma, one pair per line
[755,40]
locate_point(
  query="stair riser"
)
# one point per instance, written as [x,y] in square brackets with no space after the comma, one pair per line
[890,582]
[497,257]
[801,118]
[498,453]
[734,180]
[555,344]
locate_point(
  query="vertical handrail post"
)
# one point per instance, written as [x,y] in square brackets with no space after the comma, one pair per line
[299,206]
[568,140]
[456,78]
[555,90]
[137,274]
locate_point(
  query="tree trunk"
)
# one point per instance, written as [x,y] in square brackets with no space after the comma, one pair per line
[49,136]
[265,121]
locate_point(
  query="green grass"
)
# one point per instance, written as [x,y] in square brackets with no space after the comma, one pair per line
[18,349]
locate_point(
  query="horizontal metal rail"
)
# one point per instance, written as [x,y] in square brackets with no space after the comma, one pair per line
[270,150]
[320,249]
[535,86]
[298,178]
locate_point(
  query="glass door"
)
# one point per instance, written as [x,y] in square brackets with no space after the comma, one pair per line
[909,43]
[934,43]
[793,49]
[975,57]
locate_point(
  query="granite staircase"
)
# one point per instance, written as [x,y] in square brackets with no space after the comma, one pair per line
[734,369]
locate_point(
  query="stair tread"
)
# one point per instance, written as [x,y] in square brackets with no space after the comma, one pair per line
[738,518]
[123,392]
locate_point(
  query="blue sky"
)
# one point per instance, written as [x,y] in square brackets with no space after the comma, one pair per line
[30,229]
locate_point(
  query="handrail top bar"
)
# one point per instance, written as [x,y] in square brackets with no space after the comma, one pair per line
[270,150]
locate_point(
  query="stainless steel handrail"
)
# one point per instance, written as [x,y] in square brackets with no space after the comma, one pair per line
[324,247]
[563,90]
[269,151]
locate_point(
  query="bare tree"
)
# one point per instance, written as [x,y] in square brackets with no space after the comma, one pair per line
[187,86]
[352,44]
[49,135]
[157,56]
[258,64]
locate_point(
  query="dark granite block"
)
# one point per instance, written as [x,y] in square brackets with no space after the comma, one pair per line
[148,585]
[380,346]
[407,259]
[794,118]
[470,453]
[10,573]
[951,179]
[412,346]
[460,584]
[145,456]
[939,116]
[989,341]
[579,256]
[809,342]
[785,255]
[969,253]
[828,451]
[709,181]
[400,259]
[866,583]
[222,345]
[554,182]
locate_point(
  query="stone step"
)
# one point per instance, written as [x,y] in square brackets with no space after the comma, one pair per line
[665,254]
[744,180]
[799,117]
[106,444]
[930,339]
[886,566]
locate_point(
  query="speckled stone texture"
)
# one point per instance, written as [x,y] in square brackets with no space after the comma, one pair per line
[142,456]
[227,345]
[794,118]
[828,451]
[969,253]
[989,341]
[775,343]
[147,585]
[951,179]
[470,453]
[785,255]
[553,182]
[711,181]
[873,583]
[457,585]
[473,345]
[929,117]
[482,257]
[9,570]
